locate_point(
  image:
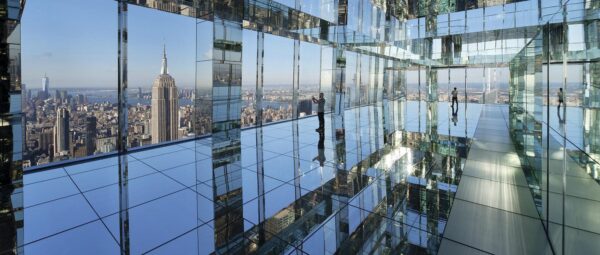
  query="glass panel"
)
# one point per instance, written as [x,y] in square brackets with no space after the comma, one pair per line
[278,75]
[72,111]
[161,76]
[204,77]
[249,75]
[352,79]
[309,78]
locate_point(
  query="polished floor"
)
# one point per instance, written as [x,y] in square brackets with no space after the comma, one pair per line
[429,183]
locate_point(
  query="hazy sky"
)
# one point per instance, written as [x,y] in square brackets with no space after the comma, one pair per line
[76,46]
[80,49]
[75,43]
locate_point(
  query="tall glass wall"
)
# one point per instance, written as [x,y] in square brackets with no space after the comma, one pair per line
[74,112]
[553,103]
[278,76]
[161,74]
[70,102]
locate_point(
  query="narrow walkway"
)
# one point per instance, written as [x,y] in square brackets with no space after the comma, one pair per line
[493,211]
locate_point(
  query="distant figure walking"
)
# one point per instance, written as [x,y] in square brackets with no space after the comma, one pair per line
[454,97]
[320,111]
[561,97]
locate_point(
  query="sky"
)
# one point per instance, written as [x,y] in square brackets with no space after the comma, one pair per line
[74,42]
[79,50]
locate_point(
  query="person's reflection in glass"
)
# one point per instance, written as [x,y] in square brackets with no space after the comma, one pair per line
[455,116]
[454,112]
[560,119]
[321,148]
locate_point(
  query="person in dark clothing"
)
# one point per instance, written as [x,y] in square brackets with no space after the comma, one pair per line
[321,149]
[454,97]
[320,111]
[455,116]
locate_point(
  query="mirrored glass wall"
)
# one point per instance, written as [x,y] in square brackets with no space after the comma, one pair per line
[227,82]
[554,101]
[290,56]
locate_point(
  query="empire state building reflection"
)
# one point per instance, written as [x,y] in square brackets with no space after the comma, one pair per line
[164,105]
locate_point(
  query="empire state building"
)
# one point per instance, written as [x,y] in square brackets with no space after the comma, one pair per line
[164,106]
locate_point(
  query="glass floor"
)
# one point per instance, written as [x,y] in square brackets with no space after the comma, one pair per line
[378,188]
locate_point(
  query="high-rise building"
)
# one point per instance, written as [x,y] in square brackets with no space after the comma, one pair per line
[61,131]
[80,99]
[164,105]
[46,138]
[90,134]
[304,107]
[44,93]
[57,95]
[27,92]
[64,95]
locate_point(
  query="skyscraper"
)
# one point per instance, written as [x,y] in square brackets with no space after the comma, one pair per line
[304,107]
[44,93]
[164,105]
[61,131]
[46,140]
[90,134]
[57,95]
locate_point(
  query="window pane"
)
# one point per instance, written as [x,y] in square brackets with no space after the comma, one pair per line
[70,69]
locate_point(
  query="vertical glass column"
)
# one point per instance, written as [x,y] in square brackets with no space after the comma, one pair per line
[400,96]
[388,80]
[260,170]
[339,109]
[296,79]
[260,55]
[339,87]
[373,74]
[122,129]
[432,84]
[431,76]
[226,123]
[525,112]
[11,131]
[591,117]
[295,132]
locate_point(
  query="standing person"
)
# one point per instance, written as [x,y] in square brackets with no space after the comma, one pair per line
[320,111]
[454,97]
[561,98]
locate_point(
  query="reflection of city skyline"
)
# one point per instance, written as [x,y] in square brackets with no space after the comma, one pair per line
[101,103]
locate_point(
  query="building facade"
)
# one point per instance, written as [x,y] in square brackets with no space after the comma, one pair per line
[165,106]
[62,140]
